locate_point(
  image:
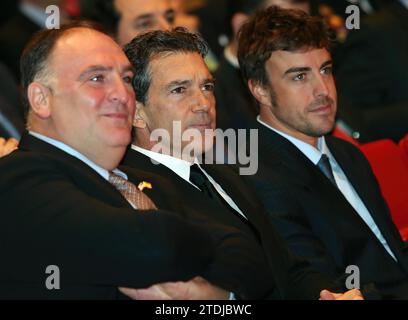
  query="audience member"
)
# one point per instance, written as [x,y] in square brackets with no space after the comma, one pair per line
[320,191]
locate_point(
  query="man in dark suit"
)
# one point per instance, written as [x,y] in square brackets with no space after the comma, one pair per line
[65,205]
[11,113]
[371,73]
[320,191]
[176,105]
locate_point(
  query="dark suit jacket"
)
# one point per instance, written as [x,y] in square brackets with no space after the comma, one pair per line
[236,108]
[286,277]
[317,221]
[371,73]
[14,35]
[11,113]
[55,210]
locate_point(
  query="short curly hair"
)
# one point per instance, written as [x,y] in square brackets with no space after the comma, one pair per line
[144,48]
[276,29]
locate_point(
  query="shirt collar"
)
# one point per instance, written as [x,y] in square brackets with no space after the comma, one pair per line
[230,57]
[62,146]
[178,166]
[312,153]
[405,3]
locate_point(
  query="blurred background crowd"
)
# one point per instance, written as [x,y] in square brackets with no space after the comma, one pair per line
[371,65]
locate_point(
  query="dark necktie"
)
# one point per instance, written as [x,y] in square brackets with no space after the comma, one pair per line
[133,195]
[199,179]
[325,167]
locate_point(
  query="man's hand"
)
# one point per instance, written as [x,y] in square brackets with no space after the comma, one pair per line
[195,289]
[353,294]
[7,146]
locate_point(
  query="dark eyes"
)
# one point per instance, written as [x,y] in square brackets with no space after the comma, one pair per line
[300,77]
[178,90]
[152,22]
[128,79]
[170,16]
[145,24]
[209,87]
[327,70]
[206,87]
[101,78]
[97,78]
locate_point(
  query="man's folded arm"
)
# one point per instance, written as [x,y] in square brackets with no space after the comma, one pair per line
[48,221]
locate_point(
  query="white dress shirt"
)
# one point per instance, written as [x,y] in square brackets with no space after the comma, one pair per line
[231,58]
[182,169]
[405,3]
[342,182]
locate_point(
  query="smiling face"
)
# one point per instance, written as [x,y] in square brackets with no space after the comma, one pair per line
[181,89]
[91,101]
[139,16]
[301,99]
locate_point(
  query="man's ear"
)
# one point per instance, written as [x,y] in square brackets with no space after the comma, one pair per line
[260,93]
[139,119]
[237,21]
[39,99]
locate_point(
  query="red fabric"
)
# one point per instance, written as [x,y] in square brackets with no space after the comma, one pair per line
[71,7]
[403,144]
[389,164]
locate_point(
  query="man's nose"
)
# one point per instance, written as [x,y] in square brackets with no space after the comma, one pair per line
[321,86]
[201,102]
[120,91]
[164,24]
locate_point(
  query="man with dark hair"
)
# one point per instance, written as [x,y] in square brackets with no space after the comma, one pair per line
[65,205]
[176,105]
[320,191]
[125,19]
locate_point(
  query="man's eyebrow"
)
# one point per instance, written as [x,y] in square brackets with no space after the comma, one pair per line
[93,69]
[100,68]
[327,63]
[207,80]
[145,16]
[297,69]
[128,68]
[179,83]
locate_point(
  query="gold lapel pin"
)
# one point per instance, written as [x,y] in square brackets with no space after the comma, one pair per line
[142,185]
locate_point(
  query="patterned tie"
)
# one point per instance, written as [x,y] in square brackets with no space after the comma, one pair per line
[325,167]
[133,195]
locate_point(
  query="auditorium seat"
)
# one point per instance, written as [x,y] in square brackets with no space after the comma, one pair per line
[389,162]
[391,169]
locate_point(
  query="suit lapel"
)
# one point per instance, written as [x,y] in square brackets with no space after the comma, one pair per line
[79,172]
[370,199]
[304,172]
